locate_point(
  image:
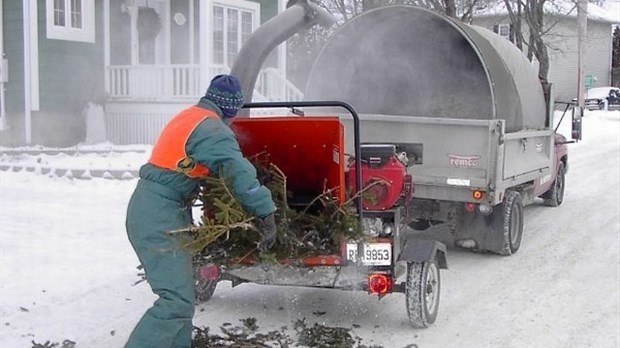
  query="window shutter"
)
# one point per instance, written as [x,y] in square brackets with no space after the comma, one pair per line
[512,33]
[496,29]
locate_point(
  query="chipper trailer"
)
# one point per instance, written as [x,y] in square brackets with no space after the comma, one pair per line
[309,151]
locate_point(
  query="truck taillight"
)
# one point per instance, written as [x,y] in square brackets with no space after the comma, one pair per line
[477,194]
[379,283]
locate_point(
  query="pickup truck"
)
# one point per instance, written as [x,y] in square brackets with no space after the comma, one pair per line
[465,105]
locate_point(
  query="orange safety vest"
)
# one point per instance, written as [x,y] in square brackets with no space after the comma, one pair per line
[169,150]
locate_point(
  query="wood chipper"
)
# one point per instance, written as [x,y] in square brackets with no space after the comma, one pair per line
[372,185]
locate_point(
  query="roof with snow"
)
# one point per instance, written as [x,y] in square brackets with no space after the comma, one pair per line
[609,12]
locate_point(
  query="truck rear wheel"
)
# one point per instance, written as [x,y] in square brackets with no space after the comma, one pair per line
[422,292]
[555,196]
[204,289]
[512,228]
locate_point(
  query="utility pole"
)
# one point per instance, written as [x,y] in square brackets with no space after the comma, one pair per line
[3,75]
[582,30]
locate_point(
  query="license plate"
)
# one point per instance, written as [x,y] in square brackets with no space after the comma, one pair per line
[374,254]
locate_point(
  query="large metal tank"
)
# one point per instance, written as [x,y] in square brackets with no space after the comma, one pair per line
[405,60]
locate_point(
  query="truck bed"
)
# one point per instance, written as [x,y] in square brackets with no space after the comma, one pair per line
[449,157]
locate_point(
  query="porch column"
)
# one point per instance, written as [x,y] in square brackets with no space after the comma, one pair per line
[30,79]
[106,46]
[205,14]
[192,28]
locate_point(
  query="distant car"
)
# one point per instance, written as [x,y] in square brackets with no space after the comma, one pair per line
[595,98]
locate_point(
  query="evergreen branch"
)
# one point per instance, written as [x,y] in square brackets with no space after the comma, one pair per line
[363,190]
[245,224]
[244,257]
[317,198]
[315,230]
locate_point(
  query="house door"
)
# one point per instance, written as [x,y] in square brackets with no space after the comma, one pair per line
[151,47]
[233,23]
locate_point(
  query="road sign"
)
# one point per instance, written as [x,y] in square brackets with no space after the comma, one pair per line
[588,81]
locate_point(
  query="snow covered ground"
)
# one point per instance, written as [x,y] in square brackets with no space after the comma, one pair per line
[67,270]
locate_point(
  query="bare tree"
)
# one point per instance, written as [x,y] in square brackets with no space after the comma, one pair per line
[347,9]
[532,11]
[615,71]
[533,22]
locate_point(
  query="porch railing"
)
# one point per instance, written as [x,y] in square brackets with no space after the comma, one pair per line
[144,82]
[182,81]
[274,86]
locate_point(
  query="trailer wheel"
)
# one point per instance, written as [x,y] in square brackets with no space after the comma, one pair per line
[203,288]
[512,228]
[555,196]
[422,293]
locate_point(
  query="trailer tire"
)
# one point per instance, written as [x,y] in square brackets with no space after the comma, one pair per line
[555,196]
[423,288]
[203,288]
[512,228]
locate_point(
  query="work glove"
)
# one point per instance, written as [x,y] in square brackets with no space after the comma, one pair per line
[268,231]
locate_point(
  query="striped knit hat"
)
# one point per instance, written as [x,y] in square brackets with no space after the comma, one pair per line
[225,92]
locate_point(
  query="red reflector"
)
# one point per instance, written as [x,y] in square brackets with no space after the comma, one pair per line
[379,283]
[210,272]
[322,260]
[470,207]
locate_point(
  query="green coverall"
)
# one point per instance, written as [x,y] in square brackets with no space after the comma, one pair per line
[160,204]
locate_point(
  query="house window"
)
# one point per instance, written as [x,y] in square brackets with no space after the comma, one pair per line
[76,14]
[504,31]
[232,27]
[233,31]
[59,13]
[72,20]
